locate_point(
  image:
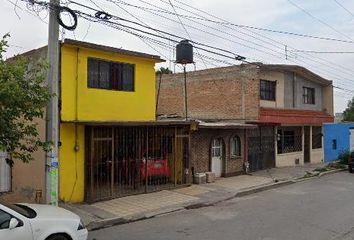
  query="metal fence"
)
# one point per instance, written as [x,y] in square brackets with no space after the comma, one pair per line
[289,140]
[130,160]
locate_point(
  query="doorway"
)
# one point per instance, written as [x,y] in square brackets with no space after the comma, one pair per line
[216,156]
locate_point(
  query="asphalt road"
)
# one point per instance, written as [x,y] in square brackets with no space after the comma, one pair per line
[315,209]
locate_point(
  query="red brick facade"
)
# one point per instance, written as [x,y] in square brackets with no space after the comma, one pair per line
[200,158]
[219,93]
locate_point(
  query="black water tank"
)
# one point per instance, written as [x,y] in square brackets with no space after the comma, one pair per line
[184,52]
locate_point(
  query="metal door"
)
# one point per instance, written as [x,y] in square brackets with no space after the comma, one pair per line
[261,152]
[216,156]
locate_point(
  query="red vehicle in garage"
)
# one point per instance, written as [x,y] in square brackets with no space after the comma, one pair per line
[155,168]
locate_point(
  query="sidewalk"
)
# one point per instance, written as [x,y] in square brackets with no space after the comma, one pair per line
[138,207]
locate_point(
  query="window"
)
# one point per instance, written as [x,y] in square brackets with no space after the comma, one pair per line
[4,220]
[289,140]
[317,137]
[110,75]
[216,148]
[334,144]
[235,146]
[308,95]
[268,90]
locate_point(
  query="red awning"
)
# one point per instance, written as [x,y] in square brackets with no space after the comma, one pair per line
[293,116]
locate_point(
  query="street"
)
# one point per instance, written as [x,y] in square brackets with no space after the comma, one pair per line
[320,208]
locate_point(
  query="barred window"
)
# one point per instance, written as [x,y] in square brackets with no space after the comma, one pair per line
[216,147]
[289,140]
[235,146]
[317,137]
[267,90]
[110,75]
[308,95]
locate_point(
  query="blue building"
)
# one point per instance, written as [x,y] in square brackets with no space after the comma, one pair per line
[337,138]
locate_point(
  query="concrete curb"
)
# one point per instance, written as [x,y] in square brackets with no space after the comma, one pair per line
[96,225]
[331,172]
[263,188]
[319,175]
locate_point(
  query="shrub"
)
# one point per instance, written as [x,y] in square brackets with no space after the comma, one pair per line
[344,156]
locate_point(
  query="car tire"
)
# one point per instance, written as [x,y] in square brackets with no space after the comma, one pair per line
[57,237]
[350,168]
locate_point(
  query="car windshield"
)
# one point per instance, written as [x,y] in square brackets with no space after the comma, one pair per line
[22,209]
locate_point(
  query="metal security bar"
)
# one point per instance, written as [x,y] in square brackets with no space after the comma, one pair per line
[123,161]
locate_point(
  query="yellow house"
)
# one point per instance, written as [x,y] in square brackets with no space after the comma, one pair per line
[110,142]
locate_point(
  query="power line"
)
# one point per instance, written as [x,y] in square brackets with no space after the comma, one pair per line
[124,28]
[342,6]
[331,63]
[185,29]
[325,52]
[319,20]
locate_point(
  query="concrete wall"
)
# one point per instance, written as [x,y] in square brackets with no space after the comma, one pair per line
[339,132]
[27,178]
[219,93]
[289,159]
[200,150]
[289,98]
[317,155]
[302,82]
[79,102]
[279,98]
[328,99]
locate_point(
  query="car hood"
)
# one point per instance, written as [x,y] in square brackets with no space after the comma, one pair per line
[51,212]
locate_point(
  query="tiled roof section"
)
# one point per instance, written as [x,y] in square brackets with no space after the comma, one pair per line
[293,116]
[113,49]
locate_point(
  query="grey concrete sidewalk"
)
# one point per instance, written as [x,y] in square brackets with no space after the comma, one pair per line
[138,207]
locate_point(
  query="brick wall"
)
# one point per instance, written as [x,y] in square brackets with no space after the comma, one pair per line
[218,93]
[200,158]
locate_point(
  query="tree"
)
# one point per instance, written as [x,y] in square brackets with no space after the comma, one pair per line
[23,98]
[163,70]
[348,114]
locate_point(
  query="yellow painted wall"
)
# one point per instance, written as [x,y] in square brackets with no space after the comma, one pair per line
[95,105]
[71,163]
[101,104]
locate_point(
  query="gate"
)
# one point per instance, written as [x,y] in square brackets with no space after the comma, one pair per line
[261,152]
[123,161]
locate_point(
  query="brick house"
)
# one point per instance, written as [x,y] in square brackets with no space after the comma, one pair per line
[262,115]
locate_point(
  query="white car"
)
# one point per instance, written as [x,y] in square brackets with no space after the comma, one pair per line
[39,222]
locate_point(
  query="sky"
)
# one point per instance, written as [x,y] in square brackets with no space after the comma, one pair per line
[205,22]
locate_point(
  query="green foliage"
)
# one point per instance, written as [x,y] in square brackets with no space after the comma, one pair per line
[23,98]
[348,114]
[344,156]
[163,70]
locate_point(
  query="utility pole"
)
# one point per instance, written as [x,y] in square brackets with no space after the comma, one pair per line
[286,52]
[52,118]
